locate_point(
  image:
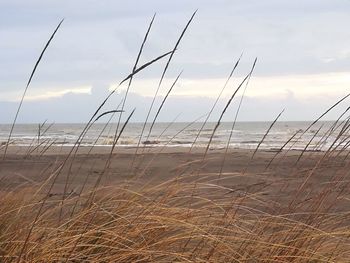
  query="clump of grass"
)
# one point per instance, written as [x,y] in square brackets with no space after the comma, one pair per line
[158,223]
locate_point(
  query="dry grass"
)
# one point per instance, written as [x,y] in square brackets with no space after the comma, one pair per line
[185,219]
[192,217]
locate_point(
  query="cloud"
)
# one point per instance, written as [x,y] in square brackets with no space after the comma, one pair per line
[46,93]
[302,48]
[75,108]
[303,87]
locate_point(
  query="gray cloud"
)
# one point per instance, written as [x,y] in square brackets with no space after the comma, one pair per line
[99,40]
[77,108]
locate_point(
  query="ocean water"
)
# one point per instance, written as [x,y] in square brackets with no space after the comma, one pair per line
[245,135]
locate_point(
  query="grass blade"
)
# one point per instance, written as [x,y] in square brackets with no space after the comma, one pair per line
[28,83]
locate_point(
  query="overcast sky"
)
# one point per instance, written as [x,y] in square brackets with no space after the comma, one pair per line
[303,50]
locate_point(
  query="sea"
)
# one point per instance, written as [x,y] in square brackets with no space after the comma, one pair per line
[242,135]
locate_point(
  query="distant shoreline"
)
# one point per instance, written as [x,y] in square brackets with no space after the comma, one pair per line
[168,122]
[63,150]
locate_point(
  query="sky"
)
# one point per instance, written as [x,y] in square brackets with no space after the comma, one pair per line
[303,51]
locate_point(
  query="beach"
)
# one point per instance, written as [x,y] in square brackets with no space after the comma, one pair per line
[277,181]
[178,193]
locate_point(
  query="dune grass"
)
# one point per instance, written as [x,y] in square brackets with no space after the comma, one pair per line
[194,216]
[187,219]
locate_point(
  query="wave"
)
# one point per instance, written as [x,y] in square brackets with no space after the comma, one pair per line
[150,142]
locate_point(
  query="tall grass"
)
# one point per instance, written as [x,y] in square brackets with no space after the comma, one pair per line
[28,83]
[273,208]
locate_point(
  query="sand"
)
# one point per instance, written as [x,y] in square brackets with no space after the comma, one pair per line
[24,166]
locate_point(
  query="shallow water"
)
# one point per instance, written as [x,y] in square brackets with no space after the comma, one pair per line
[245,135]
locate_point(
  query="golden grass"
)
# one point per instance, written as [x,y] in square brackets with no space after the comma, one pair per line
[181,220]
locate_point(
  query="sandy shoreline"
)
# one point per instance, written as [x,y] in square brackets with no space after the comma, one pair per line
[239,170]
[63,150]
